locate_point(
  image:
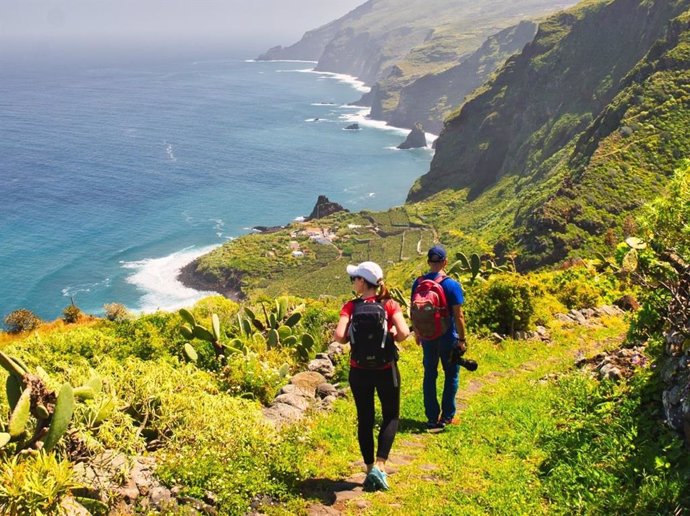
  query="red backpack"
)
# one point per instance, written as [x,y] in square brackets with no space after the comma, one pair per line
[429,308]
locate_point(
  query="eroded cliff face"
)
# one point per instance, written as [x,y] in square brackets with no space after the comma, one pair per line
[430,99]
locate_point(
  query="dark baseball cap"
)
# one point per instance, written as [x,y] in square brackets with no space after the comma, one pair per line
[436,254]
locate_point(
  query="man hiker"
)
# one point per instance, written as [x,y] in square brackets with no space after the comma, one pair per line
[439,326]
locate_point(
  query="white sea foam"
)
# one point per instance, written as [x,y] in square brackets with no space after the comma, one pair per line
[219,226]
[157,279]
[340,77]
[299,219]
[279,61]
[170,152]
[73,290]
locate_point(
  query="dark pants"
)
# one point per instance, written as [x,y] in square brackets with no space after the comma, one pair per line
[386,383]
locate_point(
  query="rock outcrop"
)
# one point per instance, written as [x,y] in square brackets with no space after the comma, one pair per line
[324,208]
[415,140]
[230,286]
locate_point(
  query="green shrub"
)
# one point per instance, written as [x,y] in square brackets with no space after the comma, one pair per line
[34,485]
[320,321]
[668,217]
[116,312]
[504,304]
[148,337]
[21,320]
[578,293]
[71,314]
[249,376]
[220,305]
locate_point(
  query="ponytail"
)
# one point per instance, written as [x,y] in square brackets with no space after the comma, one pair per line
[383,294]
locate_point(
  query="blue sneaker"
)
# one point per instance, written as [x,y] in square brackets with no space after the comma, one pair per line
[380,478]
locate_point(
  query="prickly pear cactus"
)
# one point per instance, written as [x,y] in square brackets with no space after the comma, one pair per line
[28,396]
[64,408]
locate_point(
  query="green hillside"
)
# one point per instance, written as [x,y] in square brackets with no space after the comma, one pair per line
[574,133]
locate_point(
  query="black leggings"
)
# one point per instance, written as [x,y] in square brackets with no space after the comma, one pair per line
[386,382]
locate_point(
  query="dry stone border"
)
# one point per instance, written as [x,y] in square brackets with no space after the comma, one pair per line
[616,365]
[583,316]
[142,491]
[676,370]
[307,390]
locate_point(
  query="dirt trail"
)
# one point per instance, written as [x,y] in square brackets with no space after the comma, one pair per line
[337,496]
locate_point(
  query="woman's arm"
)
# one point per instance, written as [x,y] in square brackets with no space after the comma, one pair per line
[401,329]
[341,335]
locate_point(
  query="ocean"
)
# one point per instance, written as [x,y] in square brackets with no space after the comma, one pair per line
[113,178]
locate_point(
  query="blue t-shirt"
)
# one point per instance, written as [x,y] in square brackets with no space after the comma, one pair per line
[454,296]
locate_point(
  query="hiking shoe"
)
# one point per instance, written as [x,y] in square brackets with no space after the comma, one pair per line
[369,483]
[435,427]
[379,478]
[450,421]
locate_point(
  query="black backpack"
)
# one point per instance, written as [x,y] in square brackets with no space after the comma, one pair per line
[371,345]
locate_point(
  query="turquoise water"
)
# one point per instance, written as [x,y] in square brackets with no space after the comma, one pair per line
[113,178]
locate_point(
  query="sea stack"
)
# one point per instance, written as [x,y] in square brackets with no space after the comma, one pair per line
[324,207]
[415,139]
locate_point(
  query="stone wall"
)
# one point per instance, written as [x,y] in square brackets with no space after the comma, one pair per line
[676,371]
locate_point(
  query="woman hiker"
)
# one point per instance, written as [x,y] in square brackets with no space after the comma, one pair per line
[371,322]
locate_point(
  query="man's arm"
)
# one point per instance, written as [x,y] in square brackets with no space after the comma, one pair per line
[459,317]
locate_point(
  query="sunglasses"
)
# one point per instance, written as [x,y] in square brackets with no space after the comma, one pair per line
[353,278]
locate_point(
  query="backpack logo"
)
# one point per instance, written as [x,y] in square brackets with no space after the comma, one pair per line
[371,344]
[429,309]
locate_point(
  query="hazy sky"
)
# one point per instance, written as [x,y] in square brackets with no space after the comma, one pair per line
[248,23]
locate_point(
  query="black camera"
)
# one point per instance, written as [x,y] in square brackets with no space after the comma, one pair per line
[457,358]
[470,365]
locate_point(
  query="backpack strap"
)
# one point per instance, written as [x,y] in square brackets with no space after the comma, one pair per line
[385,325]
[355,301]
[440,279]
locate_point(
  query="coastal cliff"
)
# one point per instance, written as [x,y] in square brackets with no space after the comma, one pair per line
[431,98]
[390,45]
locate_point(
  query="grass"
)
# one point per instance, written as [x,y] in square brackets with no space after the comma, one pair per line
[521,433]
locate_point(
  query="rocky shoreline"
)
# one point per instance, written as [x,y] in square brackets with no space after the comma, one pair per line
[231,287]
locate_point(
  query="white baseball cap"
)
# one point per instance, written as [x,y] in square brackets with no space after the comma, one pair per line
[370,271]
